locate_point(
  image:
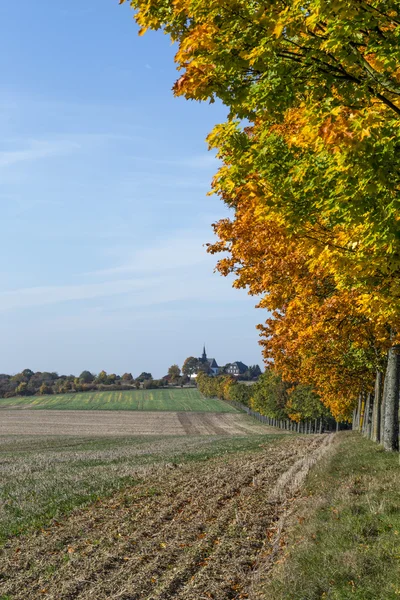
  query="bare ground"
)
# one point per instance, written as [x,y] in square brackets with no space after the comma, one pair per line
[189,532]
[97,422]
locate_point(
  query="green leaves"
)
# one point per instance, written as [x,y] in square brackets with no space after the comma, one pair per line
[311,167]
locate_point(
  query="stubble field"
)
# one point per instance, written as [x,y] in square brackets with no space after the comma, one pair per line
[99,423]
[150,505]
[188,518]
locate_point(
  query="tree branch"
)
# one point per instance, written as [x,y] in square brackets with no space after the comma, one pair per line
[377,77]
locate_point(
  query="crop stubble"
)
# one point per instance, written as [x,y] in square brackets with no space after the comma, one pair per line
[96,422]
[187,532]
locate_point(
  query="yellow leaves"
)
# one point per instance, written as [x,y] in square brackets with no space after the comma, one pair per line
[181,6]
[365,133]
[304,215]
[201,37]
[278,29]
[313,19]
[253,55]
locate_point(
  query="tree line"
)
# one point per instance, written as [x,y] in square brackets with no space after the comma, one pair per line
[28,383]
[310,168]
[269,395]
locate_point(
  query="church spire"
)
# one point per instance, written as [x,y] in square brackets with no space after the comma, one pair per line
[204,356]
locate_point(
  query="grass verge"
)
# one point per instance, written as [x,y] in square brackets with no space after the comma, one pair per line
[346,540]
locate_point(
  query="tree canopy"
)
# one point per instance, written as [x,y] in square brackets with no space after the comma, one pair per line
[310,169]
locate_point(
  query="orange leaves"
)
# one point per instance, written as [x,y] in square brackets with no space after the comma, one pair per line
[312,178]
[337,130]
[189,83]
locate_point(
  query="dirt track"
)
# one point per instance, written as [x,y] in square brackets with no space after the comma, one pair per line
[197,531]
[97,422]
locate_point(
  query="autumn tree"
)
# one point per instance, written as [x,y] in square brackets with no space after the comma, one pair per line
[101,377]
[270,395]
[45,389]
[304,404]
[174,373]
[22,389]
[311,170]
[127,377]
[238,392]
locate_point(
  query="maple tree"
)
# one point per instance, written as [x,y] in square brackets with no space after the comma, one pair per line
[311,169]
[269,396]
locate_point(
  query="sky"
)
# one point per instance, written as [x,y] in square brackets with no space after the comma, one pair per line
[103,194]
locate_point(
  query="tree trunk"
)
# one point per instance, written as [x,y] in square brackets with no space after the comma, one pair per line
[362,413]
[358,418]
[392,381]
[354,422]
[382,427]
[376,411]
[371,408]
[366,415]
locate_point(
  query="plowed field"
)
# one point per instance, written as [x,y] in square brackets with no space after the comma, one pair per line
[71,422]
[190,531]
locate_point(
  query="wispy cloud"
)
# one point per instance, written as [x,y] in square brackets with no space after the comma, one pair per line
[37,149]
[136,292]
[184,249]
[175,269]
[43,295]
[17,150]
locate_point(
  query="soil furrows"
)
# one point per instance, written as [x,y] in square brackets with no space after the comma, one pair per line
[194,531]
[94,534]
[149,556]
[221,566]
[124,423]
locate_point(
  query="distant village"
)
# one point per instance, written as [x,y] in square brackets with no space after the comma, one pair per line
[30,383]
[193,366]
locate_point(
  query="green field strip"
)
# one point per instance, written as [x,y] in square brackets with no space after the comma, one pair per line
[139,400]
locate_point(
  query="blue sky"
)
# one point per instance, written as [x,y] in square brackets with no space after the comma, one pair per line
[103,193]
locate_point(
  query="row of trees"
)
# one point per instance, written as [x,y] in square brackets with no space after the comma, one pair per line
[310,168]
[270,396]
[28,383]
